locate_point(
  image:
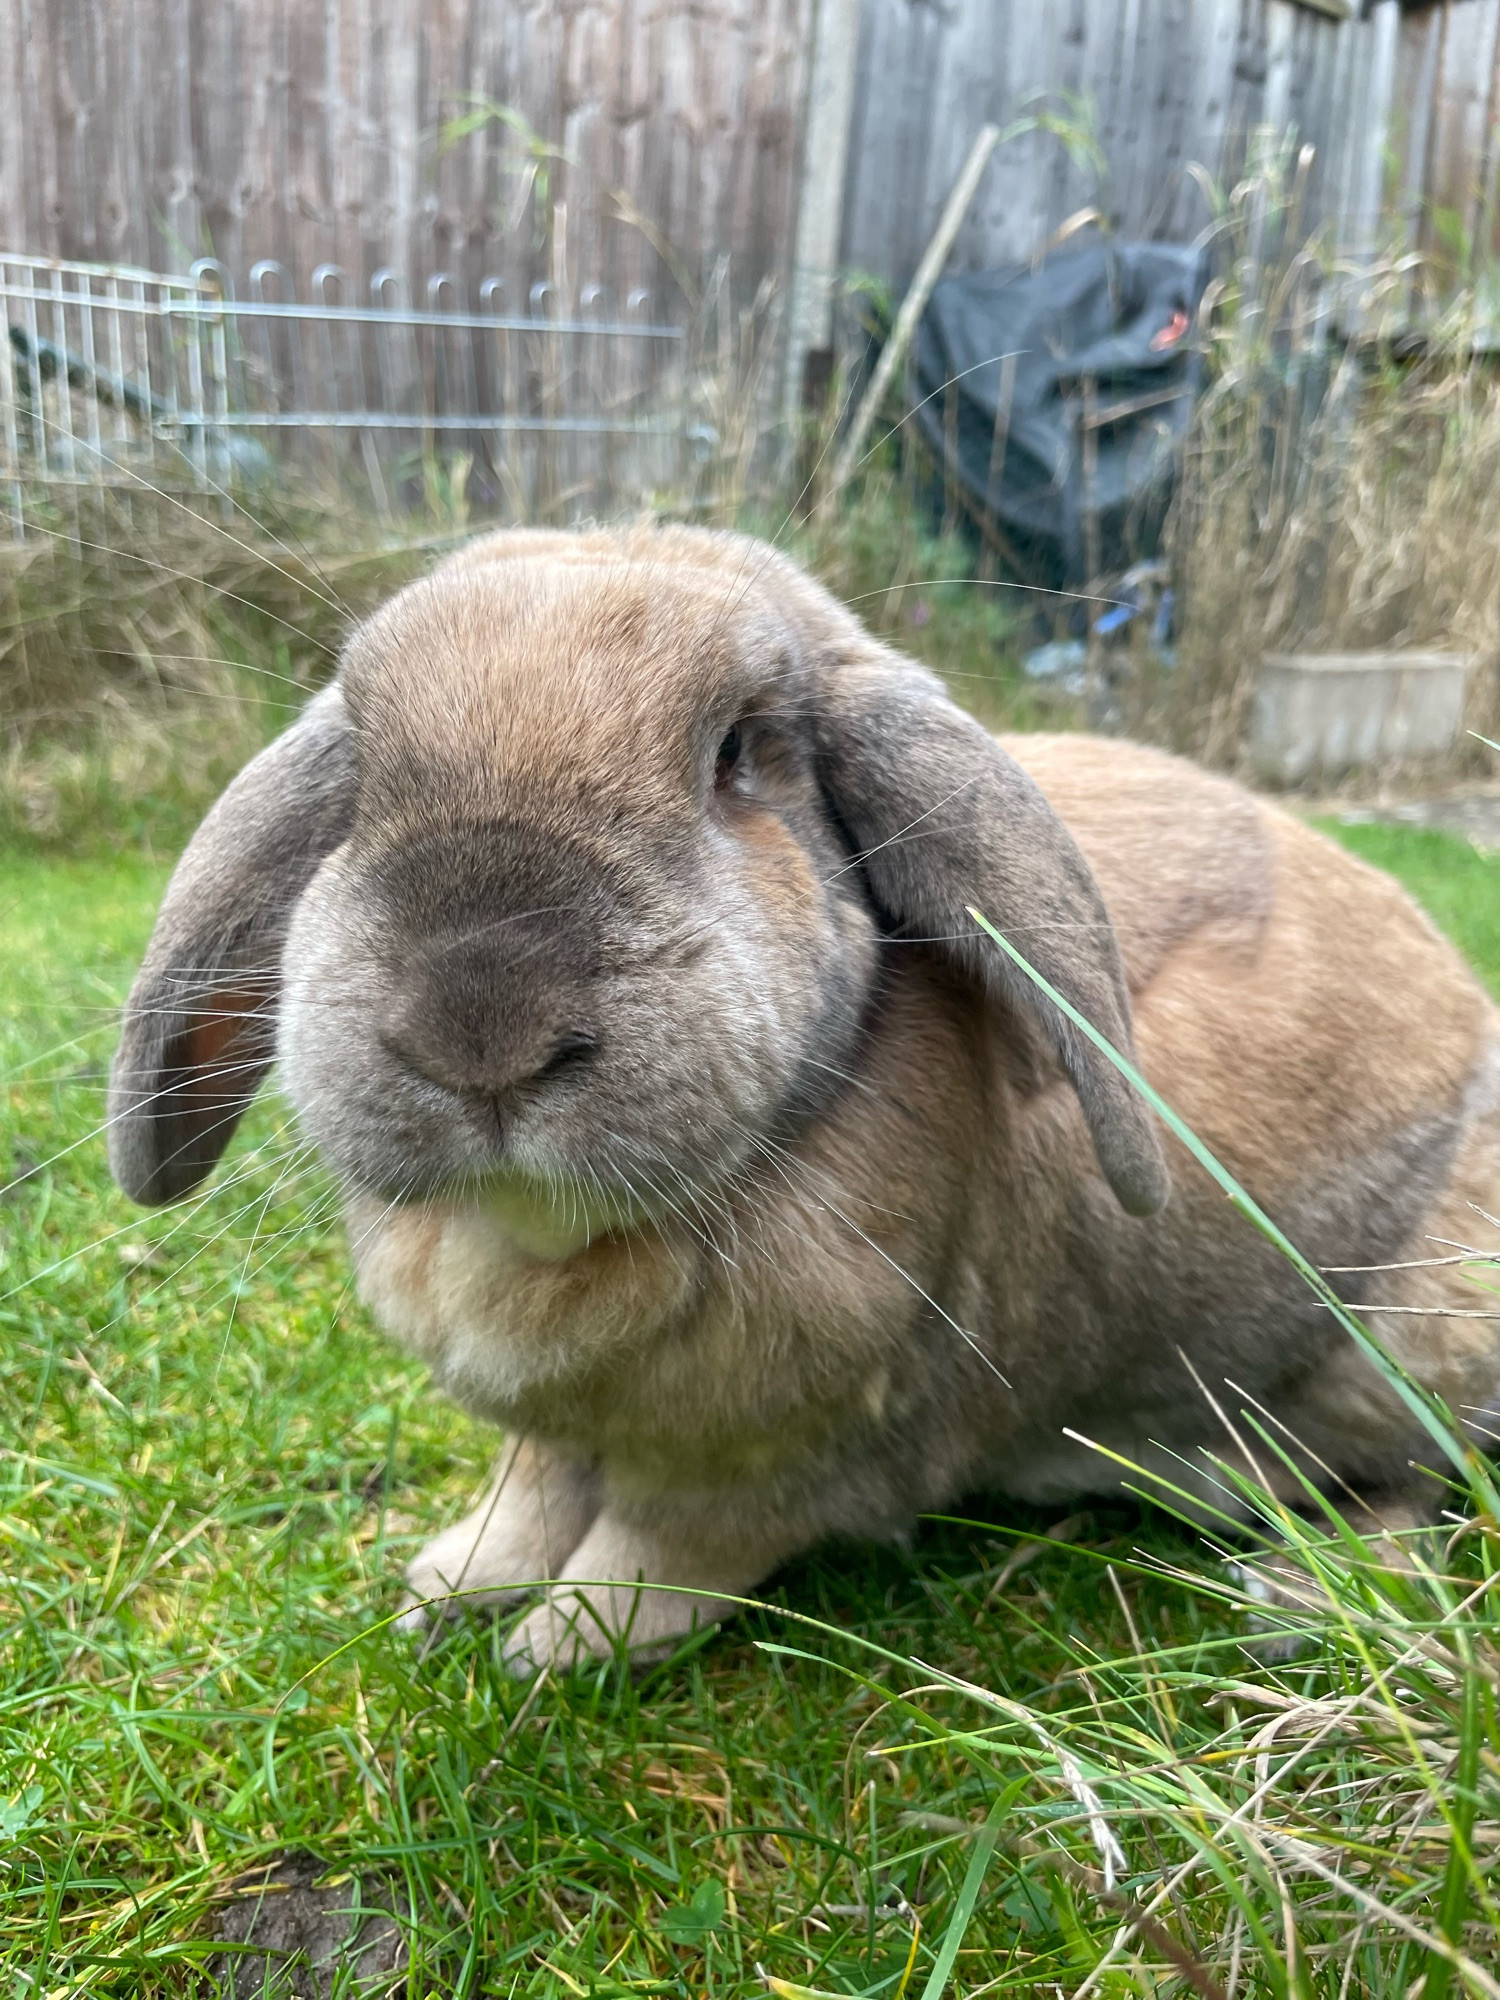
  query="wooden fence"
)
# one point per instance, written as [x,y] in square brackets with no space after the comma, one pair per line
[428,135]
[636,144]
[1399,102]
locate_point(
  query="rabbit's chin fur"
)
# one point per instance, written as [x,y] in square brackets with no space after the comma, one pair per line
[610,921]
[553,1220]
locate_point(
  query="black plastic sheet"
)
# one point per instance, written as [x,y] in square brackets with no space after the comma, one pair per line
[1102,340]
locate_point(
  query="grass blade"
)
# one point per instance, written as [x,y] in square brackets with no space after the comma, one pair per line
[963,1909]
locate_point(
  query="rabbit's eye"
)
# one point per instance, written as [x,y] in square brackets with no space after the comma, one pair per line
[728,756]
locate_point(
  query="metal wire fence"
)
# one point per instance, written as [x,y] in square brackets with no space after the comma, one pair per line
[543,408]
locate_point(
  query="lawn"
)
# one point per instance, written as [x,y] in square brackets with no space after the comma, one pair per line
[212,1471]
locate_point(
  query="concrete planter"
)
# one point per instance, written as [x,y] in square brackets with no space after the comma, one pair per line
[1317,714]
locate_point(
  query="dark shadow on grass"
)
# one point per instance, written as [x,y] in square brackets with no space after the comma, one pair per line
[946,1584]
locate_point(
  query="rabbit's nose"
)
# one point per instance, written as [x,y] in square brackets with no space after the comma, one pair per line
[493,1070]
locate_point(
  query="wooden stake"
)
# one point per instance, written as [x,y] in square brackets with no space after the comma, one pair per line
[934,257]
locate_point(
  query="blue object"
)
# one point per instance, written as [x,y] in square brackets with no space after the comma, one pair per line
[1115,619]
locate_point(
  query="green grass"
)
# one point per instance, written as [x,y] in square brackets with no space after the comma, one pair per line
[212,1470]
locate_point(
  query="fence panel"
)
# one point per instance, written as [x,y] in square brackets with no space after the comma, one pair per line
[124,379]
[432,135]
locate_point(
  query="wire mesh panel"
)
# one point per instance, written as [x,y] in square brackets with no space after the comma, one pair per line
[107,377]
[545,408]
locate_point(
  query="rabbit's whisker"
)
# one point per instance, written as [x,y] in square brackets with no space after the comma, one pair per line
[143,1297]
[298,687]
[105,1125]
[896,839]
[681,1213]
[333,601]
[240,1283]
[844,1075]
[253,1164]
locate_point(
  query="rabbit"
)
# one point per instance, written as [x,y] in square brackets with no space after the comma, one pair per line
[608,919]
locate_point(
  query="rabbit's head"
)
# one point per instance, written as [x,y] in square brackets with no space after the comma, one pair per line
[579,884]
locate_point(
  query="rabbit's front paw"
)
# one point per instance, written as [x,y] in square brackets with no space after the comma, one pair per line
[672,1592]
[451,1574]
[573,1625]
[533,1516]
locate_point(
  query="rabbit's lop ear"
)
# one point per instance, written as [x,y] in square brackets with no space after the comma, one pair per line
[200,1024]
[942,821]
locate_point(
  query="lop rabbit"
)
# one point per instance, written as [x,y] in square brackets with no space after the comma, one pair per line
[608,920]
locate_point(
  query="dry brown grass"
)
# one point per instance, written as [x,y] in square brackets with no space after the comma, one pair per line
[1340,485]
[146,650]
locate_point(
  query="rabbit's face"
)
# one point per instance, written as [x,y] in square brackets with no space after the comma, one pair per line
[593,931]
[576,889]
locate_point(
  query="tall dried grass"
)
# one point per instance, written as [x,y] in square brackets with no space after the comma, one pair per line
[1340,483]
[146,649]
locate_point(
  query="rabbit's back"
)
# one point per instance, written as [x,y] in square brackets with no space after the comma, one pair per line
[1293,1002]
[1312,1026]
